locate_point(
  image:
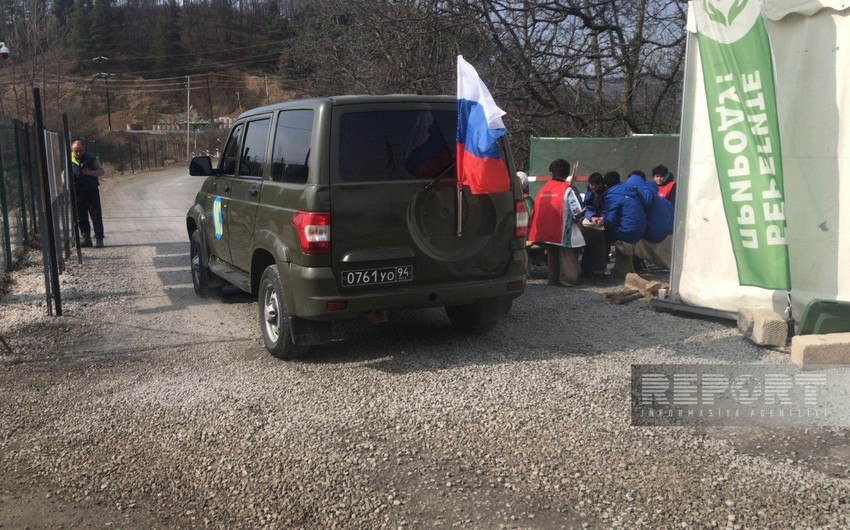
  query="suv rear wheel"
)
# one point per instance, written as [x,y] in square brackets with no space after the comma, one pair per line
[274,318]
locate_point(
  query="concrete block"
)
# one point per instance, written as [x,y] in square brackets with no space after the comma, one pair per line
[635,281]
[829,348]
[646,287]
[763,326]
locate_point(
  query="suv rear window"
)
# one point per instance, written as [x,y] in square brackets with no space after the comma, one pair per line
[397,145]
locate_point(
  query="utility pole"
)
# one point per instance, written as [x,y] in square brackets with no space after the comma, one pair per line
[4,53]
[188,88]
[209,98]
[105,76]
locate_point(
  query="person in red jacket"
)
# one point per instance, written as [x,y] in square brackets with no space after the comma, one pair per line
[664,180]
[555,225]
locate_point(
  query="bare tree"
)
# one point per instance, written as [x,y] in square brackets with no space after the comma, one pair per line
[586,67]
[558,67]
[360,46]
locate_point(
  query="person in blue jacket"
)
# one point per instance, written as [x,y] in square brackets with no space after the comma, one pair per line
[656,243]
[623,211]
[659,211]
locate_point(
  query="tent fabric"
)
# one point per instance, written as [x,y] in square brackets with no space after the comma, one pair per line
[811,56]
[778,9]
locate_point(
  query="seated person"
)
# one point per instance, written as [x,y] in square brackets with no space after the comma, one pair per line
[633,220]
[664,180]
[623,213]
[594,257]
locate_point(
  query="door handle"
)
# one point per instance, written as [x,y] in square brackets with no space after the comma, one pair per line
[253,192]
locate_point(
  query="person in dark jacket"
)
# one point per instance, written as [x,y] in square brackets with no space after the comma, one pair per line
[592,202]
[85,169]
[594,257]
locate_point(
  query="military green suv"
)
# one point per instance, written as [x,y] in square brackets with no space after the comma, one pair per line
[331,208]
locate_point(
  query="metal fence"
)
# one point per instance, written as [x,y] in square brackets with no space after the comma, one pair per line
[19,200]
[36,195]
[137,155]
[36,204]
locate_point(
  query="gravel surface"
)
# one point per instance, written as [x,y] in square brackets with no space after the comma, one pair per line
[145,406]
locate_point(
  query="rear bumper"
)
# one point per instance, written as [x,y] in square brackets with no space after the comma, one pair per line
[308,291]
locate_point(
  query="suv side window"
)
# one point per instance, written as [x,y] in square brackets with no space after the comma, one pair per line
[291,151]
[254,148]
[231,151]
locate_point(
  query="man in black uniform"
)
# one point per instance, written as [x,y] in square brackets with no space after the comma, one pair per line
[85,168]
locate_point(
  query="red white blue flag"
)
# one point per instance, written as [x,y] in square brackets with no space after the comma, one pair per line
[479,126]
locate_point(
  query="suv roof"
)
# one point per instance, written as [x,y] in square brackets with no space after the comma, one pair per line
[348,100]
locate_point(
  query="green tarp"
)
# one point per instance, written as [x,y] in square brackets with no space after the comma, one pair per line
[623,155]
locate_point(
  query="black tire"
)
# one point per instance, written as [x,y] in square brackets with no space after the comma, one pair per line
[200,273]
[274,318]
[468,319]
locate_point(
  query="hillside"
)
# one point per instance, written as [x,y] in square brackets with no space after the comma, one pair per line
[144,109]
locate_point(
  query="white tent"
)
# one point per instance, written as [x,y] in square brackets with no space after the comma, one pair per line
[810,42]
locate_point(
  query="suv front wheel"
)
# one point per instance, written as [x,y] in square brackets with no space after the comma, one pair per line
[274,318]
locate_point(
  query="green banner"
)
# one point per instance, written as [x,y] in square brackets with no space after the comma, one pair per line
[738,73]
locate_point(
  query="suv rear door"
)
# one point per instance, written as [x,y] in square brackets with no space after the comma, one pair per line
[387,228]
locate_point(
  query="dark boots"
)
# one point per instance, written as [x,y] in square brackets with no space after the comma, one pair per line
[98,242]
[85,241]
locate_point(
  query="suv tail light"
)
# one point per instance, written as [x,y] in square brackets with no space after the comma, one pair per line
[521,219]
[314,231]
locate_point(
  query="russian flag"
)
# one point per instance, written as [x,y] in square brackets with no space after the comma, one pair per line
[479,126]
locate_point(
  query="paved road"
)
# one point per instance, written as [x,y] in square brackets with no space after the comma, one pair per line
[148,208]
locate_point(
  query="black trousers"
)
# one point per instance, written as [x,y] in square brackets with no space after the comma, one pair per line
[594,258]
[88,205]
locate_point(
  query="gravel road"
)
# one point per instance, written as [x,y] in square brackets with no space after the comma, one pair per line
[145,406]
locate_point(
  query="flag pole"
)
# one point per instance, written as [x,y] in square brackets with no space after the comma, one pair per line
[460,212]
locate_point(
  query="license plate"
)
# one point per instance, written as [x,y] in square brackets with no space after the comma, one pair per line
[378,276]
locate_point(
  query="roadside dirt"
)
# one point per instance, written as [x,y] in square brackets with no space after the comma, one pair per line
[144,406]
